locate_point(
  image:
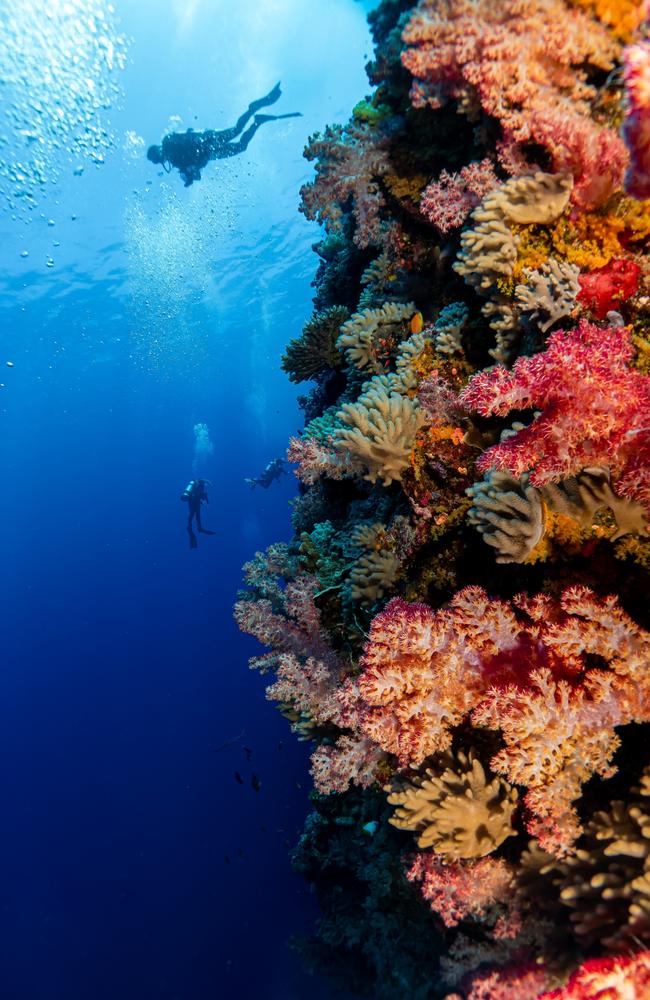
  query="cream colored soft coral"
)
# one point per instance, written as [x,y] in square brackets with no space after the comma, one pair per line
[454,807]
[381,429]
[359,337]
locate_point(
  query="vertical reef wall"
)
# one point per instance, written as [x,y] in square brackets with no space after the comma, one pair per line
[459,624]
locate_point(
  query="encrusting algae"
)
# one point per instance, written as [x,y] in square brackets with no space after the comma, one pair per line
[472,549]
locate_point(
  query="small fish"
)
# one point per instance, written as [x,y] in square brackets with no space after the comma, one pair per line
[240,852]
[263,829]
[238,778]
[226,859]
[256,784]
[417,322]
[280,745]
[248,752]
[228,743]
[298,785]
[370,827]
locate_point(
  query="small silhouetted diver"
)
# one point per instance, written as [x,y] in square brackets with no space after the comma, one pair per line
[194,495]
[190,151]
[271,473]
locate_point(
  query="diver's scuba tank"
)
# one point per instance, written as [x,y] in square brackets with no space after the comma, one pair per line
[187,492]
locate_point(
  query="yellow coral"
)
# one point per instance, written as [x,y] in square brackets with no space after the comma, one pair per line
[409,188]
[634,548]
[623,16]
[590,240]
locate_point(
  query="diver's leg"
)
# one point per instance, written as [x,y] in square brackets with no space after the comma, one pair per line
[228,134]
[204,531]
[193,541]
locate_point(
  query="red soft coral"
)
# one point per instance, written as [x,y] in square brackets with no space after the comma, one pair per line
[594,410]
[457,891]
[606,288]
[625,977]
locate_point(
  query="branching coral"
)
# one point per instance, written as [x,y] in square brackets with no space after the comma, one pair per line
[314,352]
[369,335]
[350,162]
[454,808]
[593,411]
[524,62]
[456,892]
[448,201]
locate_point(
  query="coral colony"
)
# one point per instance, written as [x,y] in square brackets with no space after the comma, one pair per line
[459,626]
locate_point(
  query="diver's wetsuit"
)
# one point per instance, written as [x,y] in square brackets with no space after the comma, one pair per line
[271,473]
[189,152]
[195,495]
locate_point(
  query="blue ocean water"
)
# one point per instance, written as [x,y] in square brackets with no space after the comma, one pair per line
[134,864]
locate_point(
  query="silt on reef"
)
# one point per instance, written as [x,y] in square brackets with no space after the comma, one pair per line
[460,624]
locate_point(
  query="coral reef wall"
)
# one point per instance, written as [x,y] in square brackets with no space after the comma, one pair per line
[460,624]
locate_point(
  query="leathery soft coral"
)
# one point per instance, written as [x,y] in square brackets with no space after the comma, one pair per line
[593,410]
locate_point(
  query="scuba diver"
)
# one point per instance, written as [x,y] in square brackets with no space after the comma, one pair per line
[271,473]
[194,495]
[190,151]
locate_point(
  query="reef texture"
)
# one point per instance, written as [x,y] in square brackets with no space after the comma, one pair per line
[460,626]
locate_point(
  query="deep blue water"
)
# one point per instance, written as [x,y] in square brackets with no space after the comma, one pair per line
[122,670]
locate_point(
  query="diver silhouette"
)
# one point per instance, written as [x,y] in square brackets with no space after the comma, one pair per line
[269,475]
[194,495]
[189,152]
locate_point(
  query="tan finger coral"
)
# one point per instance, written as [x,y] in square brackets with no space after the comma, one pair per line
[607,882]
[489,249]
[361,337]
[509,513]
[381,431]
[454,808]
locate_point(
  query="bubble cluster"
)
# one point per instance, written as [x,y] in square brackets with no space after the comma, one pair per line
[59,61]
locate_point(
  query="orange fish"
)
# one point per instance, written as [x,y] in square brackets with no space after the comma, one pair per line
[417,322]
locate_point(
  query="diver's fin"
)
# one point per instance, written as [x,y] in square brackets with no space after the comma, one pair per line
[260,119]
[206,531]
[263,102]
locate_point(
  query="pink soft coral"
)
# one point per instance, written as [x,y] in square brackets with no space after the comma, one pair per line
[448,201]
[522,60]
[423,670]
[525,669]
[350,162]
[625,977]
[457,891]
[594,410]
[558,732]
[636,126]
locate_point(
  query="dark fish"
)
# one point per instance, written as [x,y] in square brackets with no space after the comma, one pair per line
[280,745]
[240,852]
[228,743]
[263,829]
[238,778]
[226,859]
[248,752]
[256,784]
